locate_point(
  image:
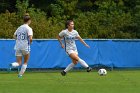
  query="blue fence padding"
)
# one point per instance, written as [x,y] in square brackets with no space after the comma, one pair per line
[49,54]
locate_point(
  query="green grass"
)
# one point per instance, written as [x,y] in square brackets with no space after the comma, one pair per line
[74,82]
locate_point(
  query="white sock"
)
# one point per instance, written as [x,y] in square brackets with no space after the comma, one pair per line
[69,67]
[23,69]
[83,63]
[15,64]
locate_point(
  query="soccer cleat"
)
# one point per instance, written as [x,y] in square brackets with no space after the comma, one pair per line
[9,68]
[19,76]
[63,73]
[89,69]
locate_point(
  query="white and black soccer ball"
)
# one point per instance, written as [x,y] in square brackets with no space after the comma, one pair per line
[102,72]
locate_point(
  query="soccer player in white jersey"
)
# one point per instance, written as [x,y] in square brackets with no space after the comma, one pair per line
[23,36]
[69,35]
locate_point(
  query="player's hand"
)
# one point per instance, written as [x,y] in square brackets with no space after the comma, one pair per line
[87,46]
[62,46]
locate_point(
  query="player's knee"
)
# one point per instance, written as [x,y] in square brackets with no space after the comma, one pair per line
[75,62]
[76,58]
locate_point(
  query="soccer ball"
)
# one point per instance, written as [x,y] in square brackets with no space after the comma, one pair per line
[102,72]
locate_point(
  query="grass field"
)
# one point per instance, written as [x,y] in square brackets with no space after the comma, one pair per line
[74,82]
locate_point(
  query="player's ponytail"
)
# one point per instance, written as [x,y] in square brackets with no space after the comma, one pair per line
[26,17]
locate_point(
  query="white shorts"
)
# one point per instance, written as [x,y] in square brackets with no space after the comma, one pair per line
[21,52]
[71,51]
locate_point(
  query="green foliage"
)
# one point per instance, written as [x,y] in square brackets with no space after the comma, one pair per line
[108,22]
[55,10]
[69,7]
[6,26]
[93,19]
[43,27]
[22,7]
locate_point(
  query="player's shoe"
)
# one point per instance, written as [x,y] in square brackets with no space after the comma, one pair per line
[89,69]
[19,76]
[63,73]
[9,68]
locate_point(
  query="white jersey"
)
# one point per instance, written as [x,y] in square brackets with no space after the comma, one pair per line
[22,35]
[69,39]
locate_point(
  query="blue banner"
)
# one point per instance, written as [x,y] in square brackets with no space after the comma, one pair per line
[49,54]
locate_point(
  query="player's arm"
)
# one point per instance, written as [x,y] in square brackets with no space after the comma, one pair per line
[81,40]
[30,35]
[30,38]
[14,36]
[60,41]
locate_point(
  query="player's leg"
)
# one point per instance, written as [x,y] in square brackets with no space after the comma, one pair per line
[18,63]
[84,64]
[24,65]
[75,56]
[69,67]
[18,55]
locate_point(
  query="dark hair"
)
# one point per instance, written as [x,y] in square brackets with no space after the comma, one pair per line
[68,23]
[26,18]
